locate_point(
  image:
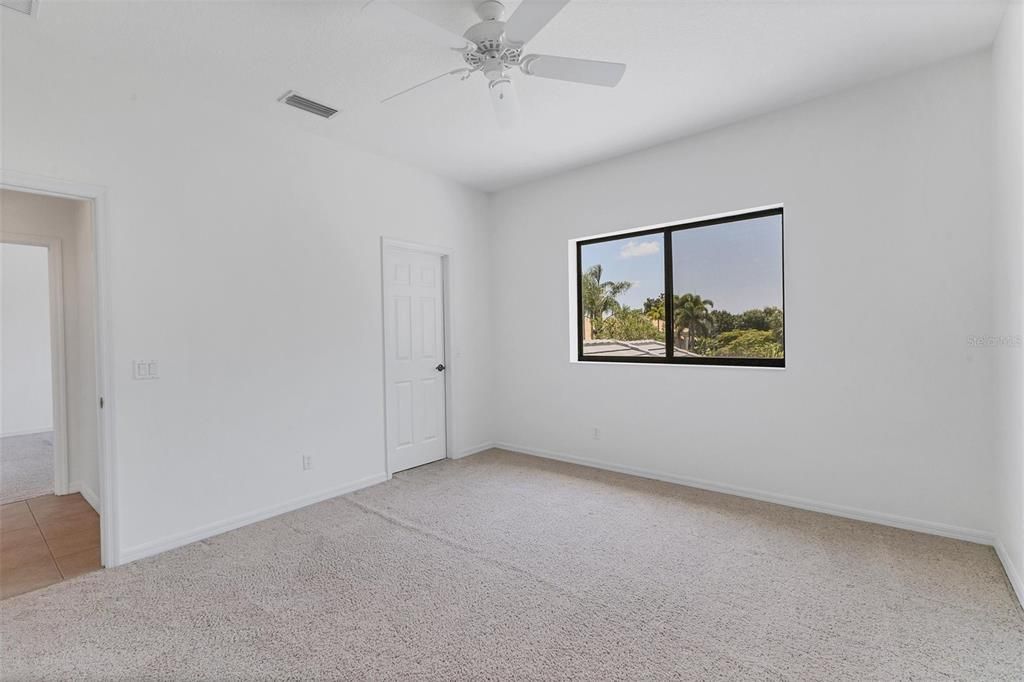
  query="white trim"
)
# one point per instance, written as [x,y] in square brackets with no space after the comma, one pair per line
[87,493]
[30,432]
[1014,576]
[906,523]
[474,450]
[416,246]
[170,542]
[592,363]
[58,350]
[106,447]
[447,291]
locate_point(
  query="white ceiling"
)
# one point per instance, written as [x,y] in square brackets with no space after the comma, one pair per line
[693,65]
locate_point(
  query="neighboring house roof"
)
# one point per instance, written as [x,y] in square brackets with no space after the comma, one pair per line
[642,348]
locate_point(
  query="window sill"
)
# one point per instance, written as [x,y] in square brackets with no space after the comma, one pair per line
[641,363]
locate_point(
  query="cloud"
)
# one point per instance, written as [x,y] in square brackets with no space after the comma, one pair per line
[635,249]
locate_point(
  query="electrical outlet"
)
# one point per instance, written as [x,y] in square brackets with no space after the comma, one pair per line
[597,433]
[307,462]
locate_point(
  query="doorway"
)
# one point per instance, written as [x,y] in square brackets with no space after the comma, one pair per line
[415,355]
[49,415]
[31,458]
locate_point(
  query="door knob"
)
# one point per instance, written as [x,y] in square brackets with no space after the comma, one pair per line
[440,367]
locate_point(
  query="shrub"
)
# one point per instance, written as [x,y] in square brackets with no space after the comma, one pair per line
[630,325]
[750,343]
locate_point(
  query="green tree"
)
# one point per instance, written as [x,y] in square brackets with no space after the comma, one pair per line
[630,324]
[654,308]
[705,345]
[752,319]
[691,315]
[600,298]
[722,321]
[768,318]
[747,343]
[776,321]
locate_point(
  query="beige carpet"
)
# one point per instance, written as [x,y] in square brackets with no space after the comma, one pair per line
[504,566]
[26,467]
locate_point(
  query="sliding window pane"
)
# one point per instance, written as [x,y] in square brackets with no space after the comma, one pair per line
[727,282]
[622,285]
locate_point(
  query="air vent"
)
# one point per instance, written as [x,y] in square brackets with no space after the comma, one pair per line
[294,99]
[24,6]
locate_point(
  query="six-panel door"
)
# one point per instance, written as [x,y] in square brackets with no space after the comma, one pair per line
[414,357]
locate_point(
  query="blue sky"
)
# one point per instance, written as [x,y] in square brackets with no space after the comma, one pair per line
[737,265]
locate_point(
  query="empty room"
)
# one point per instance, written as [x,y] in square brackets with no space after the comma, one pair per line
[525,340]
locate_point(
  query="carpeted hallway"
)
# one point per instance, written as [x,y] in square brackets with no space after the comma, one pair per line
[26,466]
[504,565]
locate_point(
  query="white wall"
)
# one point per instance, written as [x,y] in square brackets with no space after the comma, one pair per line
[26,388]
[70,222]
[883,406]
[1008,70]
[244,257]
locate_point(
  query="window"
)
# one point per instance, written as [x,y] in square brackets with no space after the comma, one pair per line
[708,292]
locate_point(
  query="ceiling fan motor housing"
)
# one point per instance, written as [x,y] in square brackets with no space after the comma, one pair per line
[490,10]
[492,54]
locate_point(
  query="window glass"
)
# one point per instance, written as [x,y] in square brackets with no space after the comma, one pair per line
[622,288]
[727,288]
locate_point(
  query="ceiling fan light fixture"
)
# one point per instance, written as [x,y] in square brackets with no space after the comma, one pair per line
[494,69]
[500,87]
[506,106]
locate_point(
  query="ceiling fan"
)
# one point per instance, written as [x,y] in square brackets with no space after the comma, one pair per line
[494,47]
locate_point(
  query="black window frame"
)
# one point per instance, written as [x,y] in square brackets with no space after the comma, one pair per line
[667,232]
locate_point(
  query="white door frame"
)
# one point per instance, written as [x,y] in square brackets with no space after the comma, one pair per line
[446,255]
[58,352]
[107,465]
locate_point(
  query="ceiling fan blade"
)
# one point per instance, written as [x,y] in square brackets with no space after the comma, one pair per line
[506,104]
[530,17]
[394,15]
[429,80]
[587,71]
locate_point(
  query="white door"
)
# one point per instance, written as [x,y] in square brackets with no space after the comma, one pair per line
[414,357]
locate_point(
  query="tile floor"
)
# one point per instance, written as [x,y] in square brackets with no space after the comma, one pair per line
[46,539]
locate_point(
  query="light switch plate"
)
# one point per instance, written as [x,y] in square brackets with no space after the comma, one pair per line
[145,369]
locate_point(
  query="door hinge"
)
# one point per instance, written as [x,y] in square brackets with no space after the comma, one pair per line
[101,402]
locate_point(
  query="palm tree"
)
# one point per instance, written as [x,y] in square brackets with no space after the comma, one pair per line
[599,298]
[654,308]
[692,314]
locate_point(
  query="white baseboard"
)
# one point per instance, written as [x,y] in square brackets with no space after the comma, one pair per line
[1016,580]
[30,432]
[473,450]
[88,493]
[944,530]
[180,539]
